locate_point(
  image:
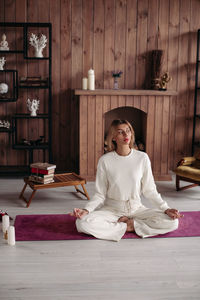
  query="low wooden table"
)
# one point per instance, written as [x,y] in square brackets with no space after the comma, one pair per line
[60,180]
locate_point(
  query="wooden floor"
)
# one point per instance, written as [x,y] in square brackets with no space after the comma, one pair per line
[164,268]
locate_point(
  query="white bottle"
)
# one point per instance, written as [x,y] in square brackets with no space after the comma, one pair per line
[91,80]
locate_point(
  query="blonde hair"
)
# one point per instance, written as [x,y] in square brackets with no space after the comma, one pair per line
[111,144]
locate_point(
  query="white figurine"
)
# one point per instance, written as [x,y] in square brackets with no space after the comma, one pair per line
[38,43]
[33,106]
[3,88]
[5,124]
[2,63]
[4,43]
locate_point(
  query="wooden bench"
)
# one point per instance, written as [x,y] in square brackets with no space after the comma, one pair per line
[60,180]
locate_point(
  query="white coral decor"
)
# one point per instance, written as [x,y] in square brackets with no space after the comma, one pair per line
[33,106]
[38,43]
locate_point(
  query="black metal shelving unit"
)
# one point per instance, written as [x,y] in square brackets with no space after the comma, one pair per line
[46,117]
[196,119]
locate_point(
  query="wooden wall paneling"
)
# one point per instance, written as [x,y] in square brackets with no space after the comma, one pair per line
[120,39]
[158,135]
[91,134]
[163,32]
[77,42]
[109,43]
[163,23]
[165,136]
[106,103]
[43,16]
[21,16]
[122,101]
[137,103]
[173,67]
[54,8]
[83,133]
[151,129]
[11,155]
[33,70]
[3,136]
[145,25]
[152,32]
[98,60]
[76,74]
[152,40]
[144,103]
[192,52]
[129,100]
[65,83]
[141,43]
[113,102]
[130,48]
[180,133]
[88,34]
[186,25]
[99,130]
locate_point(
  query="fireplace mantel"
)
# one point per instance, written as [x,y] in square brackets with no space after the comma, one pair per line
[93,108]
[124,92]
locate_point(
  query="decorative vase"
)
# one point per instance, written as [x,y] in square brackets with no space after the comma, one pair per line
[34,113]
[38,53]
[116,84]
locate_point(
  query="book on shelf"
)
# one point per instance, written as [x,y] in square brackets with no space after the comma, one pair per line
[41,171]
[43,166]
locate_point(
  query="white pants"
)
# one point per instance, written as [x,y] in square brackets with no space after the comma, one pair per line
[103,223]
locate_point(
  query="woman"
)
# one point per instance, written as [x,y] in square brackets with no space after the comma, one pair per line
[123,174]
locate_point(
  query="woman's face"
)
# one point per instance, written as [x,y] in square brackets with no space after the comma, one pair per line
[122,135]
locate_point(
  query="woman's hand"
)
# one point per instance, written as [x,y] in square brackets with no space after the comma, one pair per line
[79,213]
[173,213]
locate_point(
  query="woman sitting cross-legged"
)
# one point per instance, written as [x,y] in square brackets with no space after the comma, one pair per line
[123,175]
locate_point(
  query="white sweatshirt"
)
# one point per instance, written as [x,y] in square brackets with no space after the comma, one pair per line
[125,178]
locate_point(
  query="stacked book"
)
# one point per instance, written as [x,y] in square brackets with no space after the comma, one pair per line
[42,172]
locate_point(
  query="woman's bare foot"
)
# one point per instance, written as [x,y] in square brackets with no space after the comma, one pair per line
[129,222]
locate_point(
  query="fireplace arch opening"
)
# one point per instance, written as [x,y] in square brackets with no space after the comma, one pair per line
[136,117]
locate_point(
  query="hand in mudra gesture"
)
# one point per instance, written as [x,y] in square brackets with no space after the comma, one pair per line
[173,213]
[79,213]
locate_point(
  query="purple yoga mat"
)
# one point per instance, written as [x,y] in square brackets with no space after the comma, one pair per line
[62,227]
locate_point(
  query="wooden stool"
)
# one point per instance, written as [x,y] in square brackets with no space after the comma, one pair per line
[60,180]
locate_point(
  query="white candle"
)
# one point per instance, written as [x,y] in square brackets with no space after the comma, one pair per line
[91,80]
[11,236]
[84,83]
[6,223]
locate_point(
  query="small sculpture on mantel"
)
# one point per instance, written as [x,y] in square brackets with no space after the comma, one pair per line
[161,83]
[38,43]
[33,106]
[2,63]
[4,43]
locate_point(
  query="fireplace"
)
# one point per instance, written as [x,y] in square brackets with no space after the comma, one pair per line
[147,111]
